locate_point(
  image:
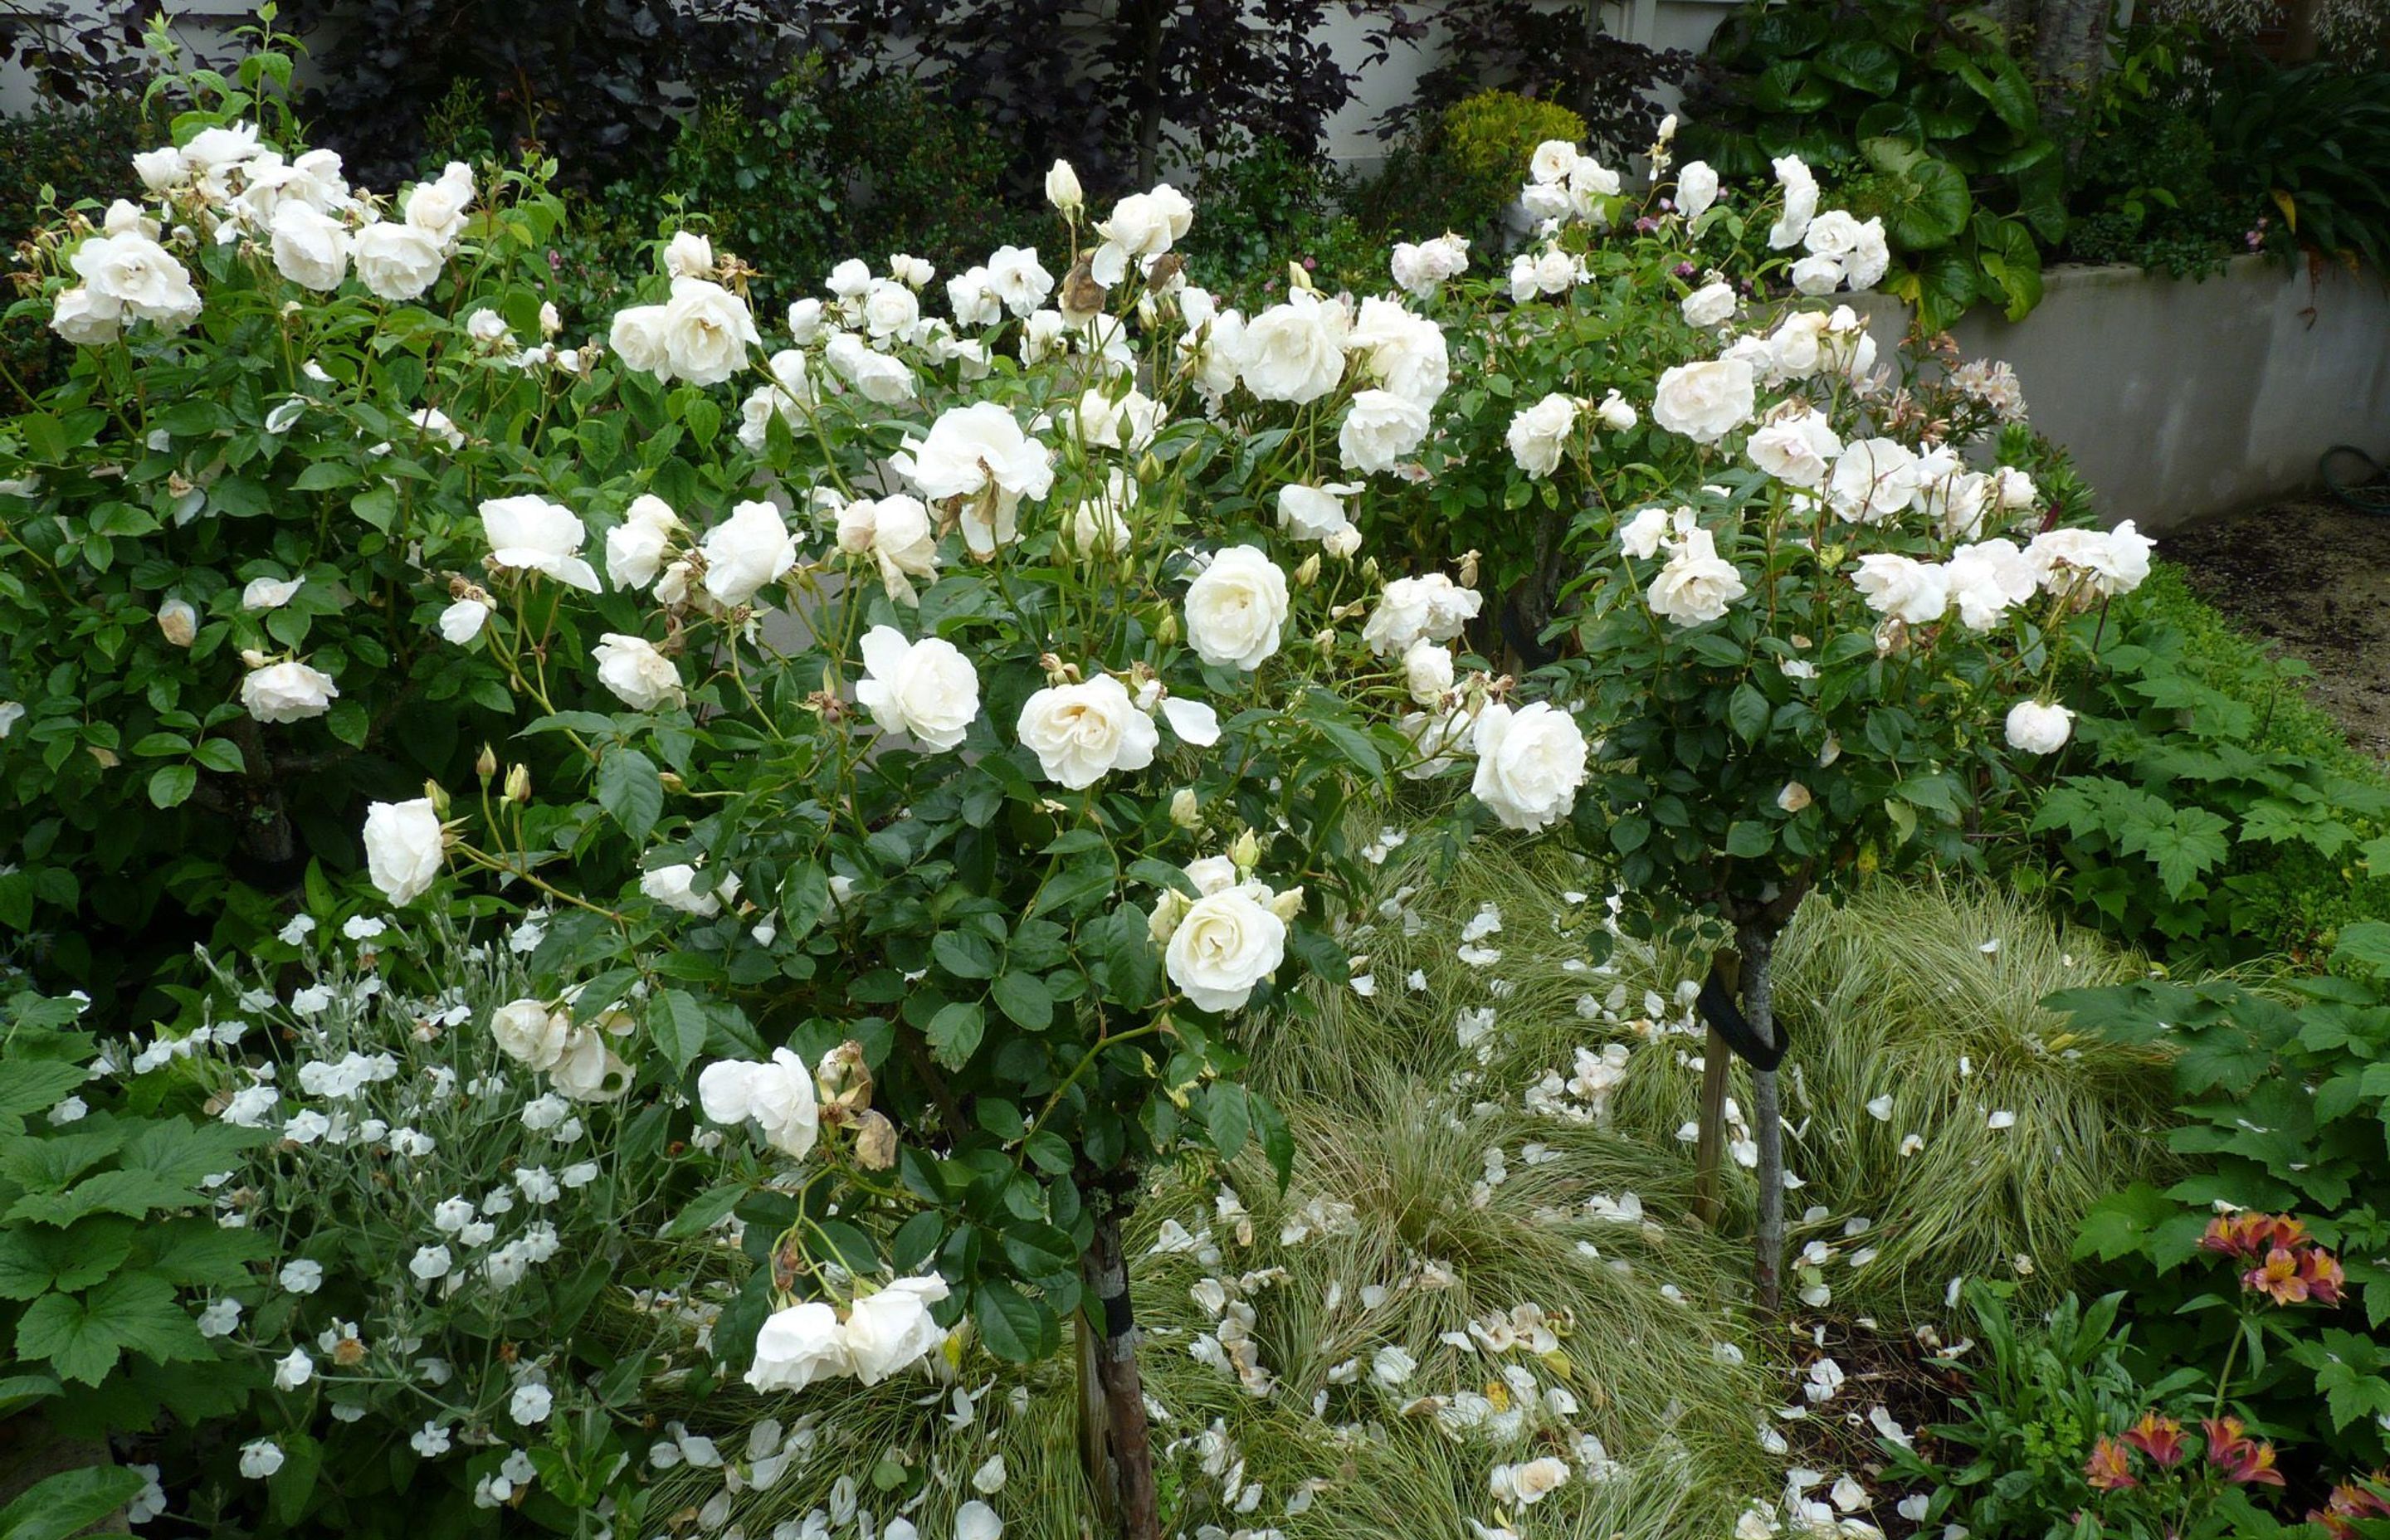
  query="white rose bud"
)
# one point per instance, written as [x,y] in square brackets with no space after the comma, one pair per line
[405,847]
[2039,727]
[178,622]
[1062,188]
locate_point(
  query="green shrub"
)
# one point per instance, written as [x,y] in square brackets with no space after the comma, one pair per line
[57,155]
[1464,172]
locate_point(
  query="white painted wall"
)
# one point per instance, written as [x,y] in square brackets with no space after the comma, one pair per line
[2179,399]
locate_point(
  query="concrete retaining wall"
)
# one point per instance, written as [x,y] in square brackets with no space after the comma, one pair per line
[2182,399]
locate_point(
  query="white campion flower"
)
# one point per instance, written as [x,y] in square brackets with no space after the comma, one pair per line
[1295,352]
[395,262]
[1315,512]
[1902,587]
[1986,580]
[260,1459]
[1379,429]
[1531,760]
[1697,188]
[2039,726]
[1797,450]
[309,249]
[1236,609]
[288,691]
[1539,435]
[1018,280]
[1084,732]
[892,1328]
[1711,306]
[269,593]
[531,1403]
[1697,585]
[405,847]
[1142,226]
[1430,606]
[797,1346]
[533,534]
[1422,268]
[1873,481]
[1225,943]
[430,1264]
[1705,400]
[293,1369]
[748,550]
[926,690]
[641,678]
[634,548]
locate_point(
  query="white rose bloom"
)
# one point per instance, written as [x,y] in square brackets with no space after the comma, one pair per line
[1236,608]
[160,170]
[1080,733]
[971,448]
[1017,279]
[1870,259]
[926,690]
[1126,423]
[1063,187]
[1834,233]
[897,533]
[1711,305]
[309,249]
[1539,435]
[1816,276]
[875,375]
[1697,585]
[748,550]
[1224,946]
[1557,272]
[269,593]
[1402,352]
[1904,588]
[1798,451]
[1800,202]
[893,1329]
[1796,349]
[634,548]
[1422,268]
[1314,512]
[1096,523]
[138,276]
[2039,727]
[1438,738]
[1142,226]
[1873,481]
[438,208]
[641,678]
[1616,414]
[890,309]
[1551,161]
[1428,672]
[404,848]
[781,1103]
[1641,536]
[972,298]
[528,1033]
[85,319]
[706,332]
[688,255]
[676,887]
[2013,489]
[1431,608]
[589,1070]
[532,534]
[1379,428]
[797,1346]
[1531,760]
[1986,580]
[1697,188]
[1295,352]
[287,692]
[1954,498]
[462,620]
[178,622]
[395,262]
[1704,401]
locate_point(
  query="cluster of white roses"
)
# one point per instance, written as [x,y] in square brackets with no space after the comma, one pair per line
[1220,944]
[300,214]
[882,1333]
[777,1094]
[574,1057]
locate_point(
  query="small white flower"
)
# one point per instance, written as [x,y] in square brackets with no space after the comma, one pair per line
[260,1459]
[302,1277]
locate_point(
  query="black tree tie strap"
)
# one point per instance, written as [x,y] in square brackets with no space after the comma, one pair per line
[1725,1015]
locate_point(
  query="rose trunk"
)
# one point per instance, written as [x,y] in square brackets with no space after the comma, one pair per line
[1114,1441]
[1755,945]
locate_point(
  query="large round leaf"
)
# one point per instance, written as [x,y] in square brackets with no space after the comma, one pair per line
[1787,86]
[1891,120]
[1861,65]
[1929,199]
